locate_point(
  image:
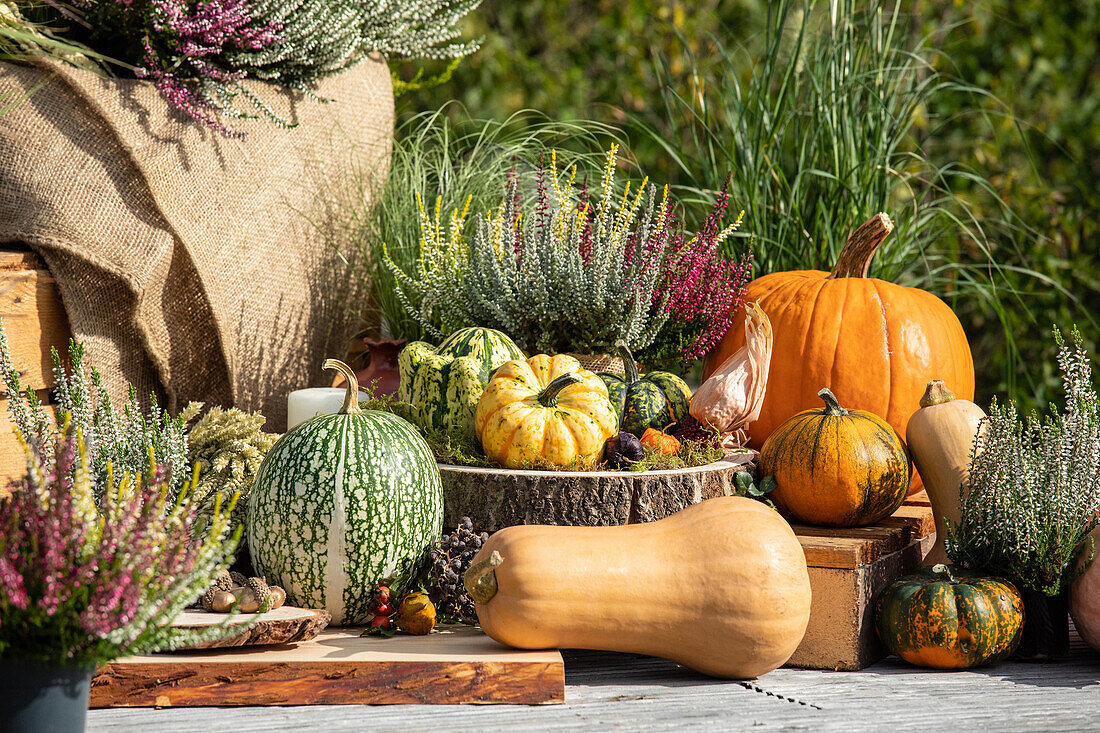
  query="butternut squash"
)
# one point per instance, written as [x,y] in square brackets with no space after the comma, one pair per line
[720,587]
[940,436]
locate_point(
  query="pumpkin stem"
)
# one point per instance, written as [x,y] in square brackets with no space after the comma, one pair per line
[936,393]
[548,397]
[941,569]
[481,578]
[832,406]
[630,368]
[855,258]
[351,399]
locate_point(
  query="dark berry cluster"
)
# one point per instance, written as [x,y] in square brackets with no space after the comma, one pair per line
[450,560]
[690,429]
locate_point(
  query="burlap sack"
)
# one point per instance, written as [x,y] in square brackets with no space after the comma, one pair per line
[189,263]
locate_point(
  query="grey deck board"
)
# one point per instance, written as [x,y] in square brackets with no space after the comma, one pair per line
[629,692]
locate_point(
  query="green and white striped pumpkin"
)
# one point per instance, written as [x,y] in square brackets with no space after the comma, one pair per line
[342,503]
[444,383]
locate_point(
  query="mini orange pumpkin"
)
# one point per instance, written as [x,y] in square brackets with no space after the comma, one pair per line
[873,343]
[837,467]
[662,441]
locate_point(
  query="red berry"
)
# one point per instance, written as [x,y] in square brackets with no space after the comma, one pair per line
[383,621]
[382,593]
[383,609]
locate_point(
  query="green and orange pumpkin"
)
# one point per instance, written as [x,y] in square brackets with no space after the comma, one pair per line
[837,467]
[653,400]
[948,618]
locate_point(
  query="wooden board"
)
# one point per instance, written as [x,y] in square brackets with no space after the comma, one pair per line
[454,665]
[498,498]
[848,569]
[35,320]
[284,625]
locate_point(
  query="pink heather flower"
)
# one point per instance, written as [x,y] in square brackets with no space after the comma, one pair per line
[703,289]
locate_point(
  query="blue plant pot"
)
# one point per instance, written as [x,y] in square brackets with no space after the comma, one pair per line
[42,700]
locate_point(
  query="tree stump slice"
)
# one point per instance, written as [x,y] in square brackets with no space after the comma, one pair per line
[284,625]
[495,498]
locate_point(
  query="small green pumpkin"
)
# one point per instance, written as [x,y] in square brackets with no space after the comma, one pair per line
[653,400]
[443,383]
[948,618]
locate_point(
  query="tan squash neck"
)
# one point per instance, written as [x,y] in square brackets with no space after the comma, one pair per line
[936,393]
[351,398]
[481,578]
[855,258]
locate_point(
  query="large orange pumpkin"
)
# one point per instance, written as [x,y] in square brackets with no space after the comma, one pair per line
[873,343]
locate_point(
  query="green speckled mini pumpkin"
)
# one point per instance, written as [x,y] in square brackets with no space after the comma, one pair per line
[653,400]
[342,503]
[444,383]
[950,619]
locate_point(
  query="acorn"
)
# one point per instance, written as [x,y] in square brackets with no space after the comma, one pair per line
[278,597]
[222,601]
[222,582]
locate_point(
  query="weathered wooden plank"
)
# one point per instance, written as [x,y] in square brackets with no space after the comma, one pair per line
[19,259]
[35,320]
[456,665]
[628,692]
[12,460]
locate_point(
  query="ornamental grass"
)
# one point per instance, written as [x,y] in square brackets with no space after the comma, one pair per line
[83,582]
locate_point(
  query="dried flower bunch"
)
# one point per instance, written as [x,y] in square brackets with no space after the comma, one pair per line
[116,441]
[227,448]
[572,273]
[198,51]
[81,584]
[1034,486]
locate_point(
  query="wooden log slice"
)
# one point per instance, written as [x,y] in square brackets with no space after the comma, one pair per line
[495,498]
[284,625]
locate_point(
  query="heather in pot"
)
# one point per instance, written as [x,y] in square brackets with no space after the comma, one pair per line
[82,582]
[1031,501]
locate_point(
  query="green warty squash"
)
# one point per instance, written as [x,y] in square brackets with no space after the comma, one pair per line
[444,383]
[342,503]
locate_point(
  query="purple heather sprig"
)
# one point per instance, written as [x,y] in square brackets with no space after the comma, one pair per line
[197,33]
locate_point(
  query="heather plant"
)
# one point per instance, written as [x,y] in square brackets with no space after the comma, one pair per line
[118,441]
[198,53]
[441,161]
[568,271]
[1034,486]
[82,584]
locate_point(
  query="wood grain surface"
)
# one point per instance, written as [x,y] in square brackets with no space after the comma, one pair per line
[498,498]
[608,691]
[285,625]
[454,665]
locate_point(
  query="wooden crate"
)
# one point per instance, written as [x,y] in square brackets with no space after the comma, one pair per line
[35,320]
[458,664]
[848,569]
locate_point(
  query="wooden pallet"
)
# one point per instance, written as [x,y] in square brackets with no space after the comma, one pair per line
[848,569]
[455,665]
[35,320]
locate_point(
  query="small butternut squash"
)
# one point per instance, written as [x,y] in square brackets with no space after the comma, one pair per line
[720,587]
[940,436]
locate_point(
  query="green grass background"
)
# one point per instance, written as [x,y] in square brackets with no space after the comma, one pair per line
[1033,133]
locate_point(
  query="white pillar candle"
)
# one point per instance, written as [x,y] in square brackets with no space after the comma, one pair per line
[303,404]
